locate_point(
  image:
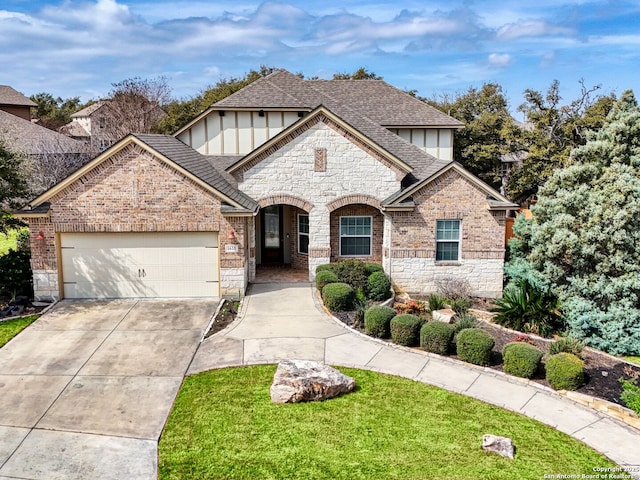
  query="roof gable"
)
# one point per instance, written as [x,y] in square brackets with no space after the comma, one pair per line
[320,114]
[171,151]
[10,96]
[495,200]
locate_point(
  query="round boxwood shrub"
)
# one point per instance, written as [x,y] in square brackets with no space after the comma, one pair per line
[353,272]
[436,337]
[372,267]
[324,267]
[338,296]
[521,359]
[377,319]
[405,329]
[325,277]
[474,345]
[565,371]
[378,286]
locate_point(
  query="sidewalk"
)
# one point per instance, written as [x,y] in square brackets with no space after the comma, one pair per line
[286,321]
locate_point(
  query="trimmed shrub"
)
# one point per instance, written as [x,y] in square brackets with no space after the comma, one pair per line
[461,305]
[405,329]
[436,301]
[353,272]
[376,321]
[15,274]
[474,345]
[464,321]
[631,394]
[373,267]
[567,345]
[338,296]
[565,371]
[325,277]
[521,359]
[22,240]
[378,286]
[436,337]
[324,267]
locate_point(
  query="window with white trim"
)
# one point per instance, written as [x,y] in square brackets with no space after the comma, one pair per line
[303,234]
[448,240]
[355,236]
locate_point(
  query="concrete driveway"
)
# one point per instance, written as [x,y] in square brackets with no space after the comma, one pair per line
[85,391]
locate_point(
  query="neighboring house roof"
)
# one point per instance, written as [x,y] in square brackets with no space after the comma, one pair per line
[74,129]
[87,111]
[20,135]
[169,149]
[10,96]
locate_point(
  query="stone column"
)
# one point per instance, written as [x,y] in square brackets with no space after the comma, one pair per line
[319,239]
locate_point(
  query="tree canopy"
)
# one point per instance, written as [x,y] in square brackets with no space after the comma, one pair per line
[13,187]
[52,112]
[584,238]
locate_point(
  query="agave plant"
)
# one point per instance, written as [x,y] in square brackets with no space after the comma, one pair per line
[526,308]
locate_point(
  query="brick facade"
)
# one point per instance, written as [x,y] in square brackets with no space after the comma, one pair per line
[132,191]
[377,233]
[411,246]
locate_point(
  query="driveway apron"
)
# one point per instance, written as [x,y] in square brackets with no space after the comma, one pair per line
[86,390]
[287,321]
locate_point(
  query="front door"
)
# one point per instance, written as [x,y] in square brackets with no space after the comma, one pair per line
[272,251]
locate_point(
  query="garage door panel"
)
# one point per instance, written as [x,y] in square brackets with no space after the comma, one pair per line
[140,265]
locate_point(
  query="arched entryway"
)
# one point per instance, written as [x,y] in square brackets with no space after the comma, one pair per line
[282,239]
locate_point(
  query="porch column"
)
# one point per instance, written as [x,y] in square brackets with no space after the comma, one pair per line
[251,233]
[386,243]
[319,239]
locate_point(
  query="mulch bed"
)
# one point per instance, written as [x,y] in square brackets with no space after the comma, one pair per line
[602,370]
[226,315]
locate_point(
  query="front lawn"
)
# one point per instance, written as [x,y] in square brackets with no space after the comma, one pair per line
[224,426]
[10,328]
[633,359]
[8,241]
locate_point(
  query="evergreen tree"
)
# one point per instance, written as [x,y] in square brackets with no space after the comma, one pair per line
[13,187]
[584,237]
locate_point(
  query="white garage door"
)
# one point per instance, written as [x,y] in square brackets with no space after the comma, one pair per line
[120,265]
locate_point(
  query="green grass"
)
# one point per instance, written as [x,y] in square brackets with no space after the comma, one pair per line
[10,328]
[8,241]
[224,426]
[632,359]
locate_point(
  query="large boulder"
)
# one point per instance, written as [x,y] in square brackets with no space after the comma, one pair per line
[445,315]
[500,445]
[308,381]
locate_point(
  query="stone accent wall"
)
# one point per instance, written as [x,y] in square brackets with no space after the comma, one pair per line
[411,261]
[377,226]
[132,191]
[420,275]
[290,171]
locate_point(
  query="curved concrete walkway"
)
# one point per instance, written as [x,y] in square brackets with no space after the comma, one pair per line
[286,321]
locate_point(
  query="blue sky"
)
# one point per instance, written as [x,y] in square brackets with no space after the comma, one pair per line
[79,48]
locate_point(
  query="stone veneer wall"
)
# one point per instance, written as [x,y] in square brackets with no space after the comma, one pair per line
[132,191]
[411,251]
[349,171]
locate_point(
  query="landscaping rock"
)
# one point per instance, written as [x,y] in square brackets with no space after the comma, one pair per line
[500,445]
[308,381]
[445,315]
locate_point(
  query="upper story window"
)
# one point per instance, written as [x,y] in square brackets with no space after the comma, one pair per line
[448,240]
[355,236]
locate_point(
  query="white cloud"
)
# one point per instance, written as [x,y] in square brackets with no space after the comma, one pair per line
[531,28]
[499,59]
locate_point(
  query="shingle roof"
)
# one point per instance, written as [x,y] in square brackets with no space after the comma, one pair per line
[307,97]
[197,164]
[10,96]
[20,135]
[384,104]
[85,112]
[73,129]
